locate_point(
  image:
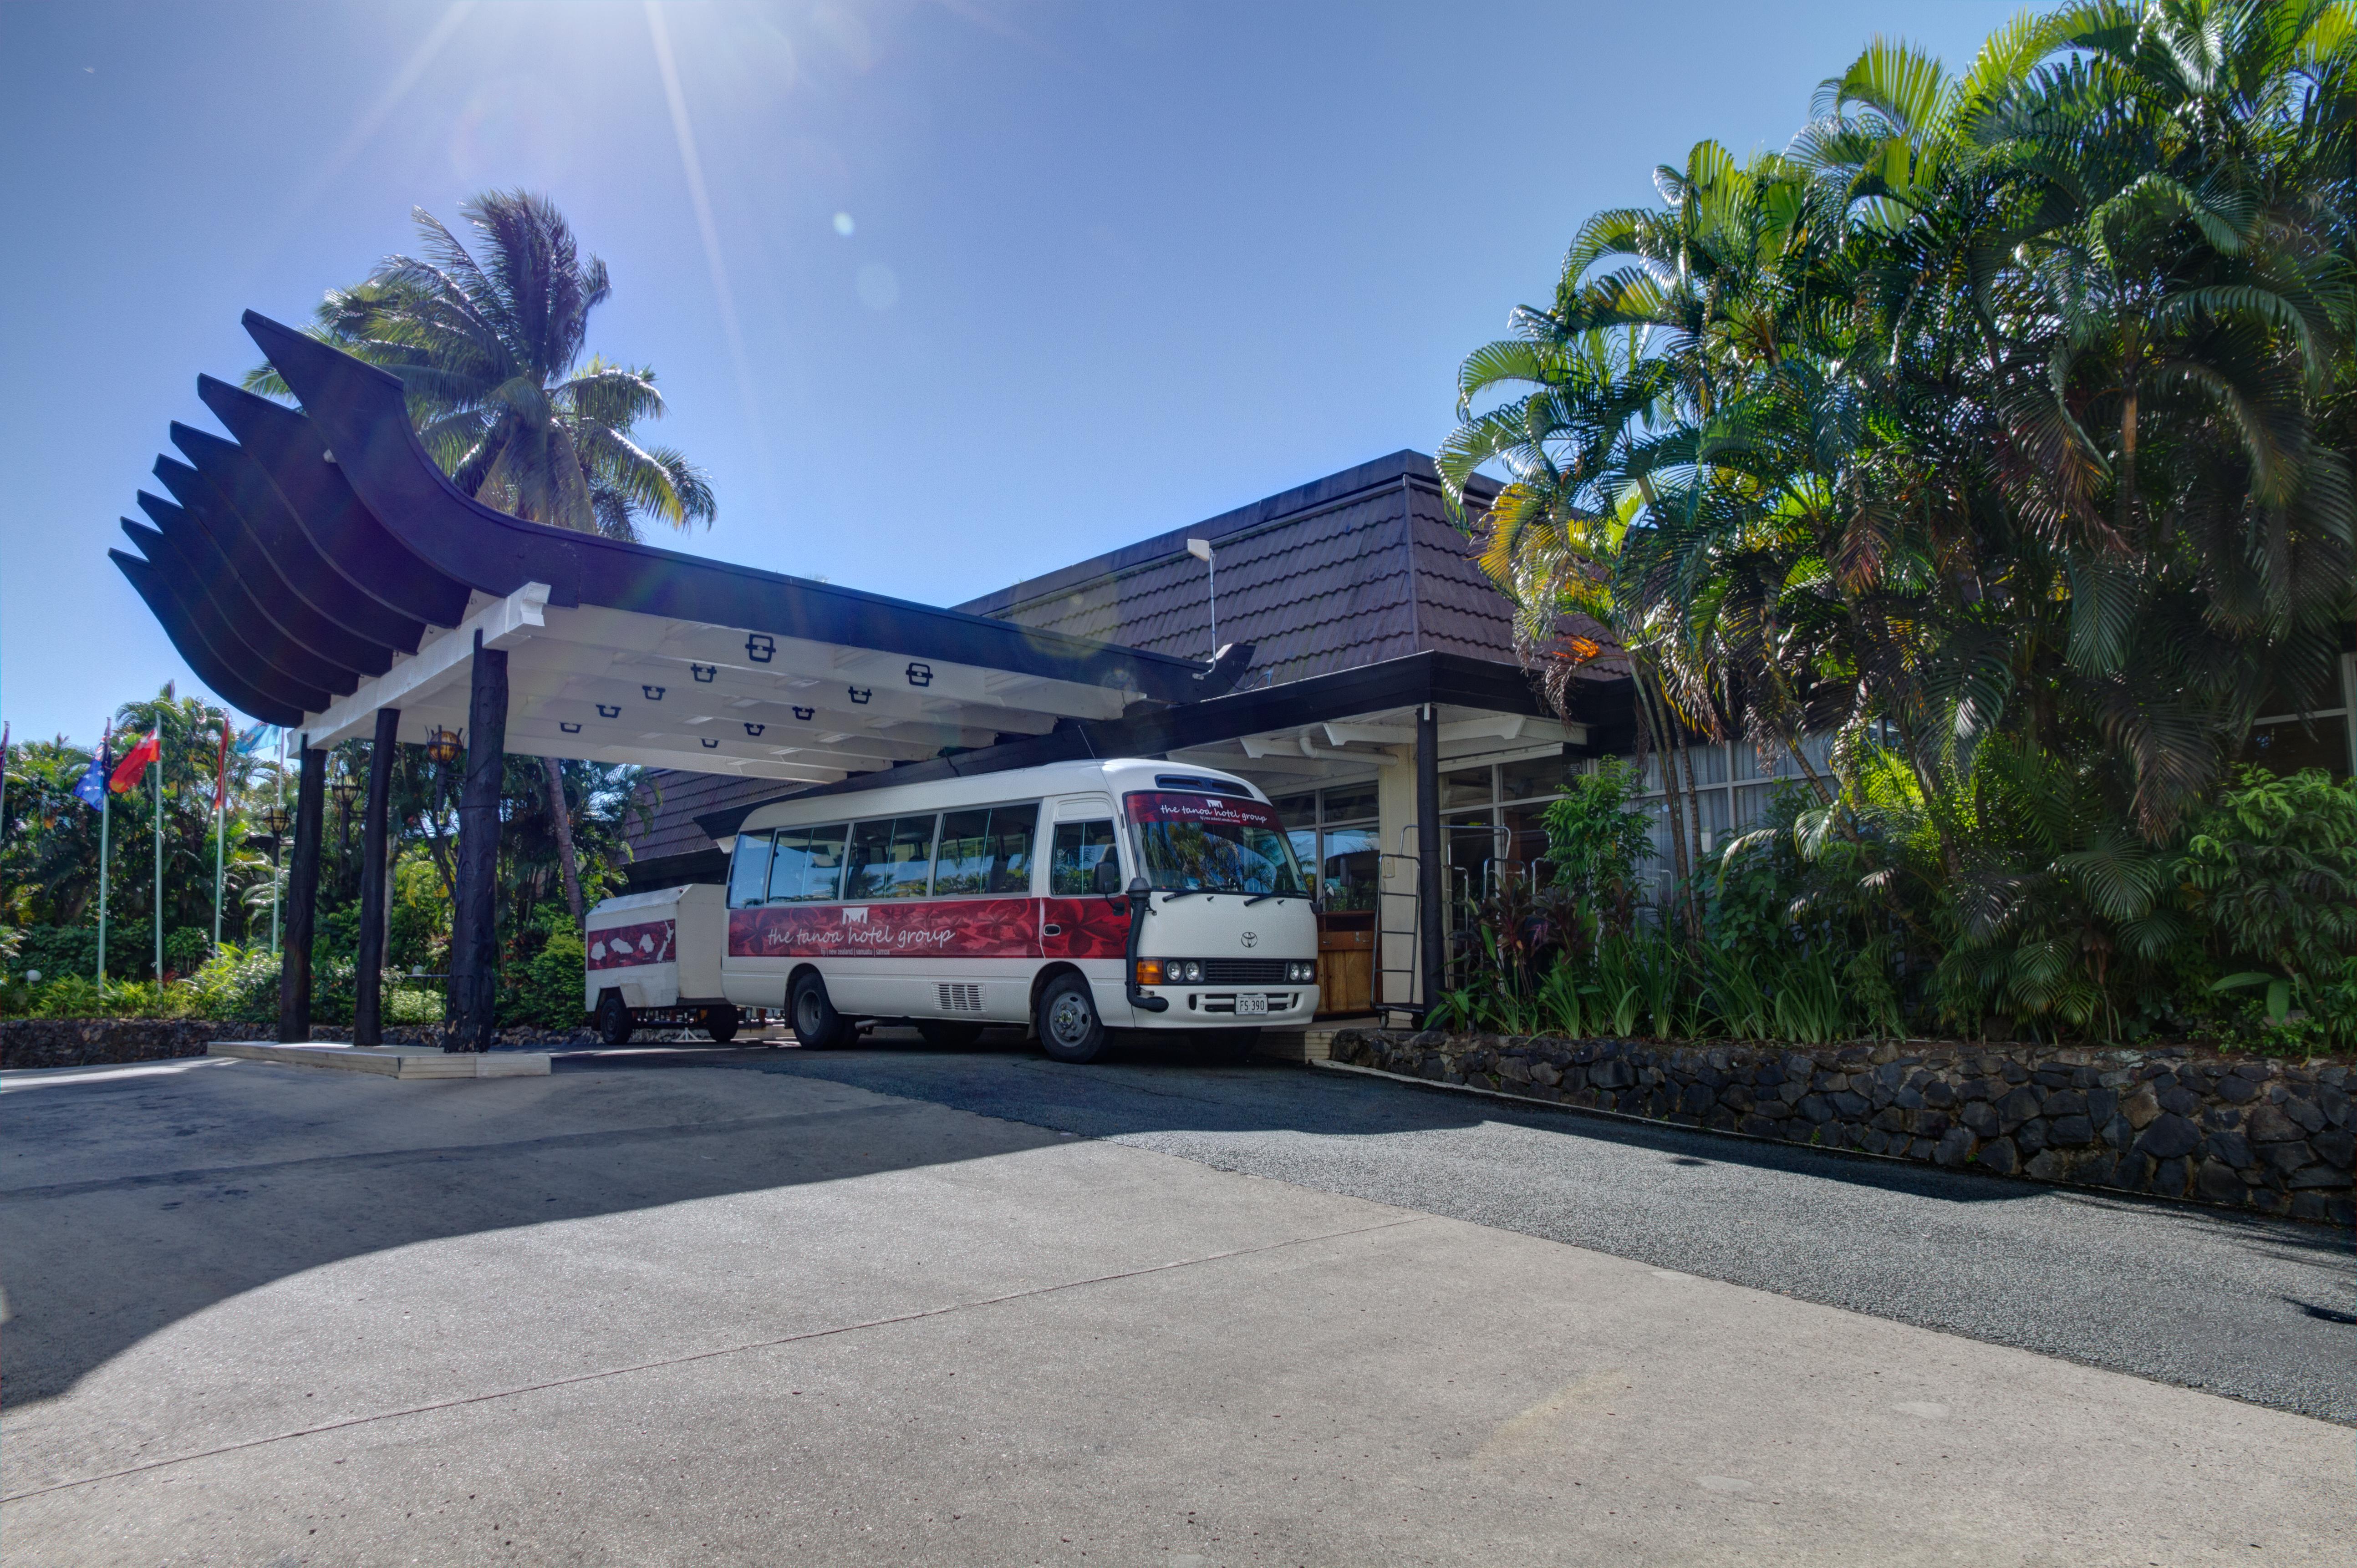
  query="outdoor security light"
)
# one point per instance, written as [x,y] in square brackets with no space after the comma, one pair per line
[1201,549]
[442,745]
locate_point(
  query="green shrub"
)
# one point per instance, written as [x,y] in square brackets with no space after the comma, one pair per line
[77,996]
[548,992]
[411,1005]
[237,986]
[1596,840]
[2271,871]
[60,950]
[185,948]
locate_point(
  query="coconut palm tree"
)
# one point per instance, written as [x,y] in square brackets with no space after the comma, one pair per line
[490,351]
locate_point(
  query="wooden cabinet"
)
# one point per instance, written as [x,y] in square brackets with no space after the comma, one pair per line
[1346,962]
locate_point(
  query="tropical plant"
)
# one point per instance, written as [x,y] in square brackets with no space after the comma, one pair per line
[489,351]
[2272,867]
[1596,840]
[1999,427]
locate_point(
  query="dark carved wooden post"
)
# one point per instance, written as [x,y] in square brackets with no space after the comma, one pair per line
[302,899]
[1430,891]
[474,939]
[368,991]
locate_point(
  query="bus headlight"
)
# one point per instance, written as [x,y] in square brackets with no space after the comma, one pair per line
[1188,971]
[1300,973]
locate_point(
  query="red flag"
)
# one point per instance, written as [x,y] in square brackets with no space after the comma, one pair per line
[221,768]
[135,763]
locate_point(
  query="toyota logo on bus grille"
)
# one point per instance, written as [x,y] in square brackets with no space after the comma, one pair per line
[1250,939]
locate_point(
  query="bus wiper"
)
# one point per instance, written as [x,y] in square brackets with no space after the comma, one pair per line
[1172,895]
[1265,897]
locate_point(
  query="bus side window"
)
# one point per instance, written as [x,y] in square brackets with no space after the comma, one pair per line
[891,859]
[1072,865]
[987,851]
[808,865]
[748,871]
[1013,831]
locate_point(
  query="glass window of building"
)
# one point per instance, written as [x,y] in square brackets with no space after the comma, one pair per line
[1465,786]
[1532,778]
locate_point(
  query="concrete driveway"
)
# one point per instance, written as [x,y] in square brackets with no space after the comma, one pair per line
[707,1315]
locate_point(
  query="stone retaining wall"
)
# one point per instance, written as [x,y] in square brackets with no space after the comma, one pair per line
[2258,1133]
[90,1042]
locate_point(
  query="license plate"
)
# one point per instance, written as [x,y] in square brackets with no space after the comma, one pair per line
[1252,1004]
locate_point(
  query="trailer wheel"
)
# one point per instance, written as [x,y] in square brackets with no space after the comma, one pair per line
[720,1022]
[816,1023]
[615,1020]
[1070,1030]
[947,1033]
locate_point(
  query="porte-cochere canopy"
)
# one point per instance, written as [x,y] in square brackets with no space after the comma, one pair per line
[318,566]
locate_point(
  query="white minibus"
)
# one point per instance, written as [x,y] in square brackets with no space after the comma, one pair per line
[1077,897]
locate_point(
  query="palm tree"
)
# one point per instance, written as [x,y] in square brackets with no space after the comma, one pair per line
[2005,413]
[491,353]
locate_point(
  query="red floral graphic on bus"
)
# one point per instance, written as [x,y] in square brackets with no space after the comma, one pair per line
[1085,928]
[622,947]
[963,927]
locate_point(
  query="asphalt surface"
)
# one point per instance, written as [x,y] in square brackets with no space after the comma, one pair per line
[2257,1310]
[738,1307]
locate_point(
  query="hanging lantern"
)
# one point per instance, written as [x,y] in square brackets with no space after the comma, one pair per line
[442,745]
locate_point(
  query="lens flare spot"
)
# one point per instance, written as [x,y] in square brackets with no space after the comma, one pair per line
[843,225]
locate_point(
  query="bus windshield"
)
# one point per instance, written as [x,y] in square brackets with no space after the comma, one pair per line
[1212,843]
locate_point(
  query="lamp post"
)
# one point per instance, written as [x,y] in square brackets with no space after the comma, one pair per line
[1201,549]
[273,820]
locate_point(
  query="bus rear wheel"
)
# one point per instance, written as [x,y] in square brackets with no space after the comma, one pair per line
[816,1023]
[720,1022]
[615,1020]
[946,1034]
[1070,1030]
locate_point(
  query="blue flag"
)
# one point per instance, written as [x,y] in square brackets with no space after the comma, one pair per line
[93,788]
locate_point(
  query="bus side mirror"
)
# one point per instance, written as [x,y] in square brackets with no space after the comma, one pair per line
[1108,877]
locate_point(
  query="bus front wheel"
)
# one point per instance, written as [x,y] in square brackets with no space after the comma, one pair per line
[1070,1030]
[816,1023]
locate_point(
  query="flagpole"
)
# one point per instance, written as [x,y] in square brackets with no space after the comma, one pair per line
[159,867]
[277,836]
[105,805]
[221,829]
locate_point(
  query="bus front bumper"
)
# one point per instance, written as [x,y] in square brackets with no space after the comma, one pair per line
[1227,1006]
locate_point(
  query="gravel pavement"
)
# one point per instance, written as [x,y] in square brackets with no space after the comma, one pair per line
[2255,1310]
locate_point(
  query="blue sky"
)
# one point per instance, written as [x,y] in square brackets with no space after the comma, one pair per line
[1108,268]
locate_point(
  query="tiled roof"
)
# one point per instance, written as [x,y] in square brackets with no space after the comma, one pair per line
[1360,566]
[1352,569]
[675,798]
